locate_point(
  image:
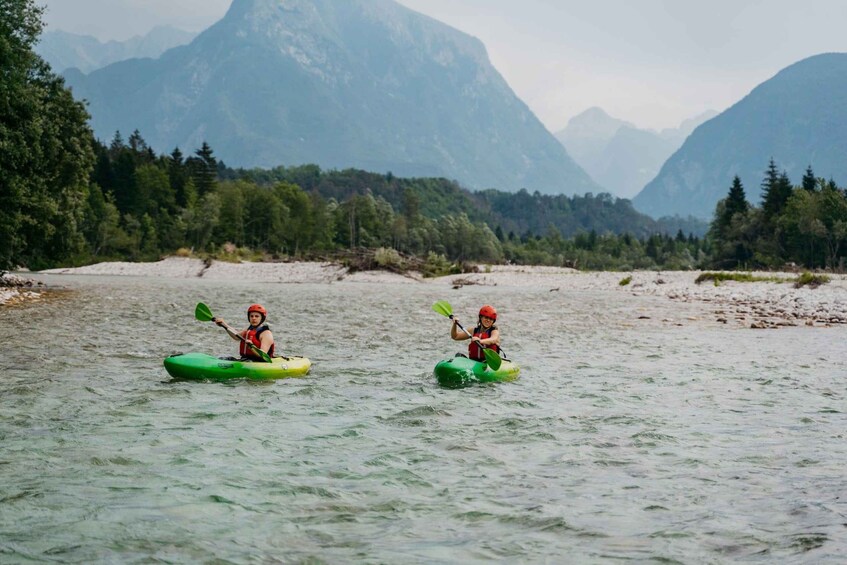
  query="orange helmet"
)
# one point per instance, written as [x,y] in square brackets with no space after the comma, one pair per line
[488,312]
[257,308]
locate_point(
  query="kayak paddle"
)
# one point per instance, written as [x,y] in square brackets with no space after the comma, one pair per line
[492,359]
[204,314]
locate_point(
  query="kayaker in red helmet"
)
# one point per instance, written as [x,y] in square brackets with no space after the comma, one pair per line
[485,334]
[258,333]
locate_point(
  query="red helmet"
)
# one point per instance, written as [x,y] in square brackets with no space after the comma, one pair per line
[257,308]
[488,312]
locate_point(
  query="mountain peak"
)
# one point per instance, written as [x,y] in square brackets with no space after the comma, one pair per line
[594,123]
[797,118]
[360,83]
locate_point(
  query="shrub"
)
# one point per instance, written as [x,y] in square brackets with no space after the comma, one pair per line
[386,257]
[718,277]
[810,280]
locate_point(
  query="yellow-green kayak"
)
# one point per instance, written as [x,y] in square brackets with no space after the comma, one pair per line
[199,366]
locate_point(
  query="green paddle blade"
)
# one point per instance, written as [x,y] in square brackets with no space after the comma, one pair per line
[265,357]
[203,313]
[443,307]
[492,359]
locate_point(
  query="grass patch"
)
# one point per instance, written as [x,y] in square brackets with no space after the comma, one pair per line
[810,280]
[625,281]
[806,279]
[718,278]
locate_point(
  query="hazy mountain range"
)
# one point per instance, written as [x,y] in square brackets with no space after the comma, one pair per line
[618,155]
[373,85]
[360,83]
[798,118]
[65,50]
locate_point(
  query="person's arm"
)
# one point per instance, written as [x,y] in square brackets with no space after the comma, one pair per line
[266,340]
[456,333]
[234,334]
[493,339]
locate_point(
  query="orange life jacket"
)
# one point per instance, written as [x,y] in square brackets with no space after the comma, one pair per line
[474,350]
[253,337]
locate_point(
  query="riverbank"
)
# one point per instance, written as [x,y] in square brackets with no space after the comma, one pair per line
[15,289]
[739,304]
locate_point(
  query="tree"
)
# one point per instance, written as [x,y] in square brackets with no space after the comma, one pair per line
[299,229]
[736,202]
[809,181]
[46,154]
[204,170]
[730,231]
[177,176]
[776,189]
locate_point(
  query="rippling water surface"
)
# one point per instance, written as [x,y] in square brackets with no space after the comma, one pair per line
[624,439]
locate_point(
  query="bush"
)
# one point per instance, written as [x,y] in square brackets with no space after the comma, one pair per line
[437,265]
[387,257]
[810,280]
[718,277]
[625,281]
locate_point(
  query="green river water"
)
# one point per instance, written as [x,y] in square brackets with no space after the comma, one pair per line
[624,440]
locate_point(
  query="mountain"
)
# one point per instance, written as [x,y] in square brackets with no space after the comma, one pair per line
[361,83]
[618,155]
[798,118]
[65,50]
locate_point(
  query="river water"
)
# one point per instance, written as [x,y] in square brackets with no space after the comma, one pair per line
[625,439]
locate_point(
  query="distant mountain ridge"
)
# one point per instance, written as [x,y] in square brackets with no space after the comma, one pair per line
[798,118]
[361,83]
[617,154]
[64,50]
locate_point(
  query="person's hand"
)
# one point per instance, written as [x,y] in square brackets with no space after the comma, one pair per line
[477,340]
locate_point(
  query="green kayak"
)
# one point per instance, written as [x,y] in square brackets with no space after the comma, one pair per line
[460,371]
[199,366]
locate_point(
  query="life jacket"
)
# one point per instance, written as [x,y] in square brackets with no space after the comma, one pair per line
[475,351]
[253,336]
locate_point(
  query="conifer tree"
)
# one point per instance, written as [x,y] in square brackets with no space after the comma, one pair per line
[809,181]
[736,201]
[177,176]
[204,170]
[776,188]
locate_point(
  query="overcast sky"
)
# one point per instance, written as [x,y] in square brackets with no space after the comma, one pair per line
[650,62]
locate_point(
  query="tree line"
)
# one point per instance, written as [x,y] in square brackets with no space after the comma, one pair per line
[803,225]
[139,206]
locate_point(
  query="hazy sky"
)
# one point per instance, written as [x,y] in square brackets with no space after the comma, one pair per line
[650,62]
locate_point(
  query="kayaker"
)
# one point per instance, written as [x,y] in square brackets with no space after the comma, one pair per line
[485,334]
[258,333]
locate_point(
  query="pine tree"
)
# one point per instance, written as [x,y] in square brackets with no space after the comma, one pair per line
[809,181]
[204,170]
[177,176]
[776,188]
[736,201]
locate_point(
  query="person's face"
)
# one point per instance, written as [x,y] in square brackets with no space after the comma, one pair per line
[255,318]
[486,321]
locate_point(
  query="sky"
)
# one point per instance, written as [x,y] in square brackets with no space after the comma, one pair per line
[653,63]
